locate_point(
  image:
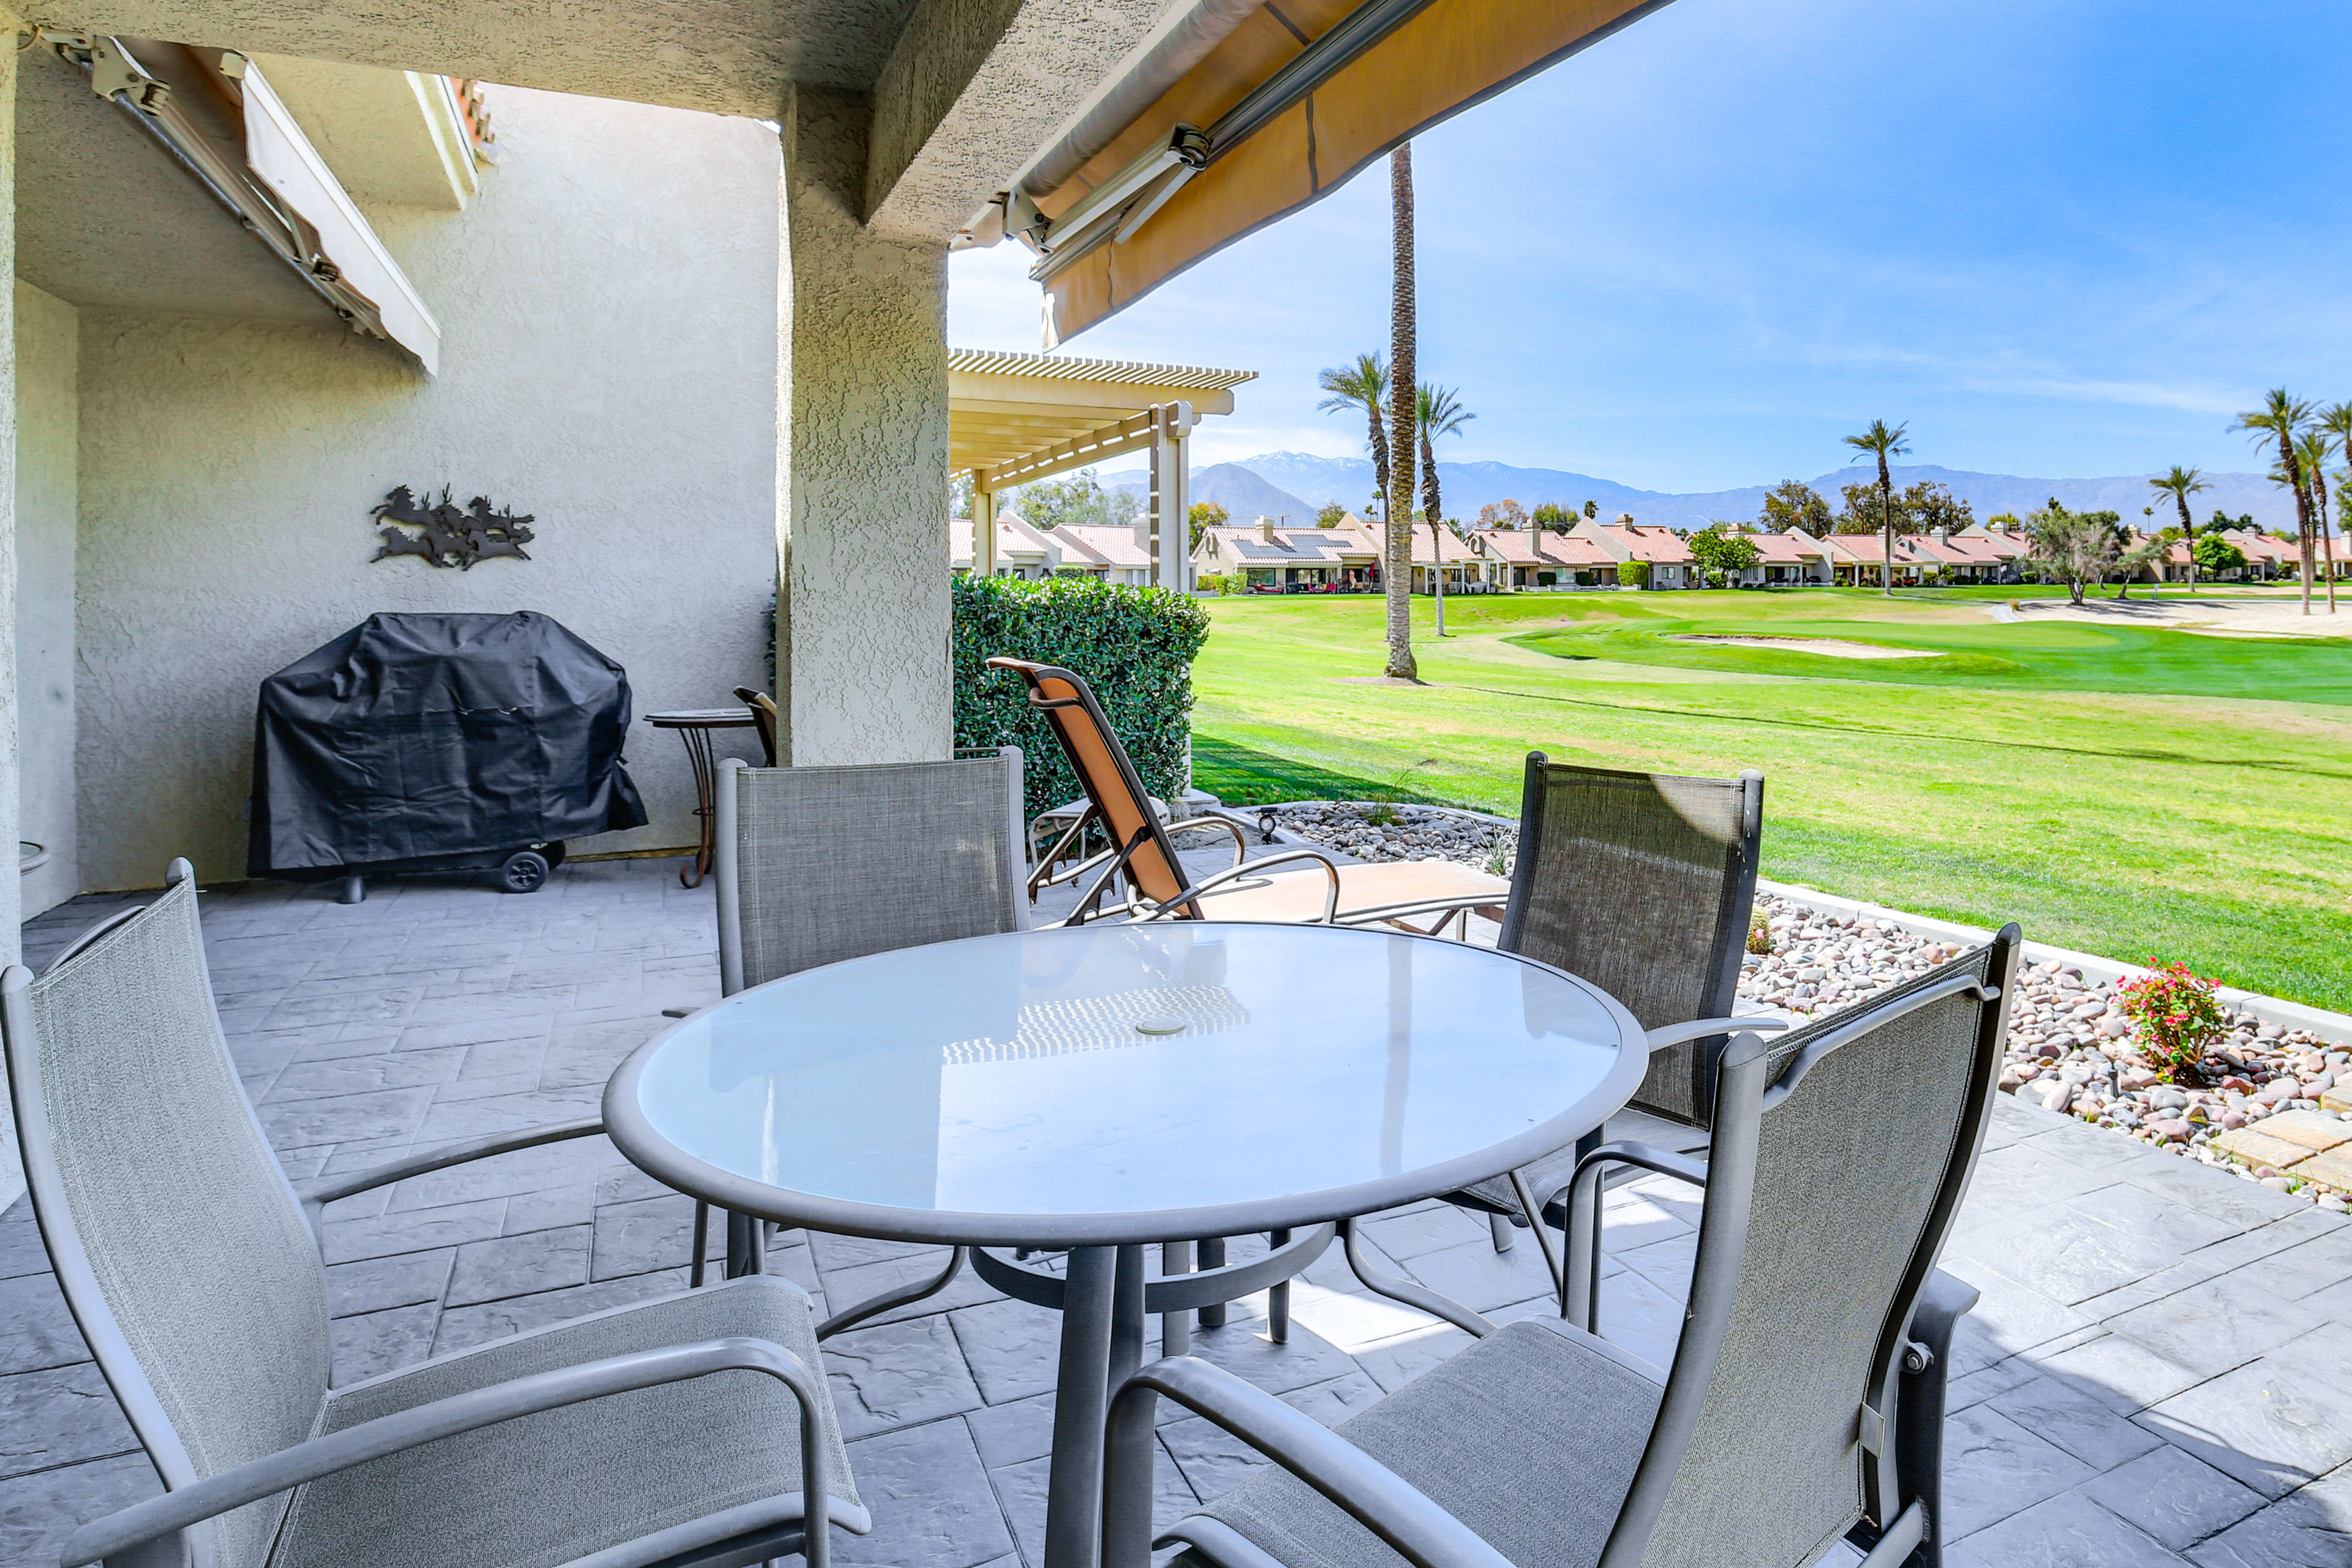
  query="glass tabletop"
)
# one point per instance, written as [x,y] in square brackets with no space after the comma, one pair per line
[1121,1071]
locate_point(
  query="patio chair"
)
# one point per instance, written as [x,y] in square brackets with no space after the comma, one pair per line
[688,1428]
[1805,1402]
[763,719]
[1642,883]
[818,865]
[1143,852]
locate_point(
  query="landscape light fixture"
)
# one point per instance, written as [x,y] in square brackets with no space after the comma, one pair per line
[1265,825]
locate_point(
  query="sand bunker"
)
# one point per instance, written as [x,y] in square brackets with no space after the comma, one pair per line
[1832,646]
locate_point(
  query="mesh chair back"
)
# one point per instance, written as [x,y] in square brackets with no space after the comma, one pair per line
[1116,790]
[816,865]
[1642,883]
[181,1248]
[1853,1164]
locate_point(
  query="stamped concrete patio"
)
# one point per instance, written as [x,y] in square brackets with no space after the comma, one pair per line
[2160,1370]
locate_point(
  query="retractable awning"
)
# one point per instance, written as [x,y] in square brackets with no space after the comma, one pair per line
[1238,115]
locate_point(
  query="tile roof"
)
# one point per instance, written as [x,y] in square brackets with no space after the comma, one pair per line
[1104,545]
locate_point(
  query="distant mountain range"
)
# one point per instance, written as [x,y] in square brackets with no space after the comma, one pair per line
[1279,484]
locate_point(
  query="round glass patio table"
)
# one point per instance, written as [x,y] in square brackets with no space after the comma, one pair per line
[1102,1087]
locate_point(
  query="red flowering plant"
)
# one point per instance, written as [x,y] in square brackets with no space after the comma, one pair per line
[2176,1017]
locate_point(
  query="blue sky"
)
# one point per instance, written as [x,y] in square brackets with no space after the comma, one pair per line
[2060,239]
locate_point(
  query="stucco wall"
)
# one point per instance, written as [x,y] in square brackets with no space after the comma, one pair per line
[46,330]
[608,305]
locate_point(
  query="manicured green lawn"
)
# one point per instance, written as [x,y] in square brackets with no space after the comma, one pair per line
[2124,790]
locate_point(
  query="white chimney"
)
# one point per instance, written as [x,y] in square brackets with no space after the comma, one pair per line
[1265,528]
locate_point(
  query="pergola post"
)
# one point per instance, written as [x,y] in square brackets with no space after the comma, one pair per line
[983,526]
[1171,494]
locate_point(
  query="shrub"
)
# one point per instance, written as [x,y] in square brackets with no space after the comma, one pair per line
[2175,1017]
[1134,646]
[1632,573]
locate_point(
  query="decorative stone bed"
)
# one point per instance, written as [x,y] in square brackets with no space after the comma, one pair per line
[2271,1104]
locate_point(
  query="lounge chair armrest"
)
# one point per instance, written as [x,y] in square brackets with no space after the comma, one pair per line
[1330,899]
[1700,1029]
[119,1536]
[1375,1496]
[319,1191]
[1193,823]
[1649,1157]
[1579,1275]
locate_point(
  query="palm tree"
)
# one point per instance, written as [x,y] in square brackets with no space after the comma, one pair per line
[2312,450]
[1363,385]
[1436,412]
[2180,484]
[2280,419]
[1402,334]
[1884,444]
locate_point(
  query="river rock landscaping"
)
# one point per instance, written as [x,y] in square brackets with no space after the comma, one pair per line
[2268,1103]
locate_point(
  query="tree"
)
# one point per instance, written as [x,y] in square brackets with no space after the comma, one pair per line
[2279,419]
[1078,499]
[1403,374]
[1591,509]
[1552,516]
[2223,519]
[2077,548]
[2180,484]
[1883,442]
[1204,516]
[2217,555]
[1363,385]
[1504,513]
[2336,420]
[1927,506]
[2313,448]
[1794,506]
[1331,514]
[2130,558]
[1436,411]
[1721,548]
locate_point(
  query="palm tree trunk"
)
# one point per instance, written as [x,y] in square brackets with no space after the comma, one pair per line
[2319,526]
[1886,516]
[2293,470]
[2187,537]
[1430,506]
[1404,378]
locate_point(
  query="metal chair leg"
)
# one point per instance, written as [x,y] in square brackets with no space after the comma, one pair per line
[1277,1299]
[1175,1328]
[1502,1229]
[701,1245]
[1213,1256]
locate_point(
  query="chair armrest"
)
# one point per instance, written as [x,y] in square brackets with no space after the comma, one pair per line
[1580,1274]
[1700,1029]
[319,1191]
[1330,899]
[1375,1496]
[1240,843]
[118,1535]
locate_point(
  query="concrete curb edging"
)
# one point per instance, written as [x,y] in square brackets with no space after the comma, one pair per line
[2328,1025]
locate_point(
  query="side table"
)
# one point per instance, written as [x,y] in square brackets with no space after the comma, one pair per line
[694,727]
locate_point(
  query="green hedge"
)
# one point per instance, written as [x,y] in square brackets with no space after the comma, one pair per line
[1134,646]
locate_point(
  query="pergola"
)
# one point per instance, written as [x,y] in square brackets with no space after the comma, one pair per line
[1015,417]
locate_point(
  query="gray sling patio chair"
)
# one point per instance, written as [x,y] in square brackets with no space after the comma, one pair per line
[687,1429]
[818,865]
[1640,883]
[1805,1402]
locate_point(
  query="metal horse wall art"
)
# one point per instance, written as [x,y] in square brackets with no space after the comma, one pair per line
[445,535]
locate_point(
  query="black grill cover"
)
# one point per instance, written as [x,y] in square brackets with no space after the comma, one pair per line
[412,737]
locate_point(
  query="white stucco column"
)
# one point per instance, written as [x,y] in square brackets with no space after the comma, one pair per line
[862,661]
[1171,494]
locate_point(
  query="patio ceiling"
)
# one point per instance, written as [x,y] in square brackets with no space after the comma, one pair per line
[1014,417]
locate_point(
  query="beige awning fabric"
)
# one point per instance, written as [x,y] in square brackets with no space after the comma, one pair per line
[1014,417]
[1443,59]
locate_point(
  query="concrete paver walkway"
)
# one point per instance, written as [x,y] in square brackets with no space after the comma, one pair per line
[2160,1372]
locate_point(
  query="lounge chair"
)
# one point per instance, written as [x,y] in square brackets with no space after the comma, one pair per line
[1805,1402]
[1143,852]
[689,1428]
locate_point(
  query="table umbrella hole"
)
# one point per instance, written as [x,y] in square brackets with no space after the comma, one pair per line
[1160,1025]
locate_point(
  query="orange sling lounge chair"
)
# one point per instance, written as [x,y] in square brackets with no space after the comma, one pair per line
[1396,893]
